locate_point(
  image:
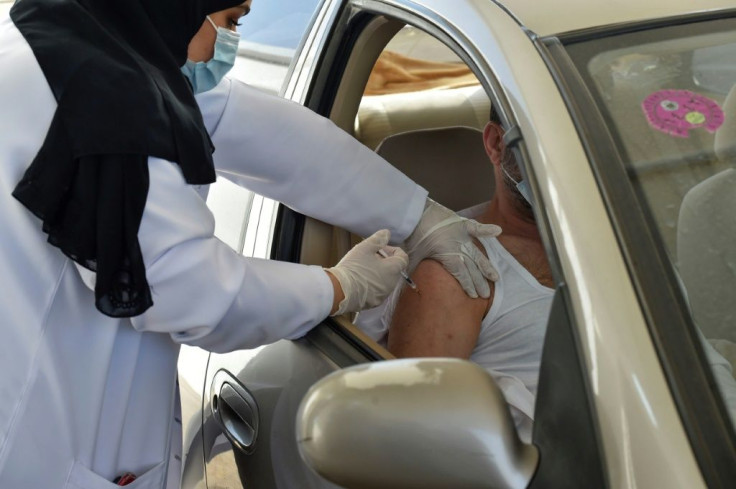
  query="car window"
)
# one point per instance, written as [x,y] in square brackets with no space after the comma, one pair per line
[424,110]
[418,83]
[269,37]
[669,99]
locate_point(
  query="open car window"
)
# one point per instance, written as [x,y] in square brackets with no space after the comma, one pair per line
[422,108]
[418,83]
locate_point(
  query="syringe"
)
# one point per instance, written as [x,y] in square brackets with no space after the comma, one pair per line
[405,275]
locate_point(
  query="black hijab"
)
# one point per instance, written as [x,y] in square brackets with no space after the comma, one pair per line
[113,67]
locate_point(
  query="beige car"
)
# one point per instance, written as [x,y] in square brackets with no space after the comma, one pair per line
[623,116]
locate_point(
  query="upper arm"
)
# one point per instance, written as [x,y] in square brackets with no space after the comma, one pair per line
[204,293]
[271,146]
[440,321]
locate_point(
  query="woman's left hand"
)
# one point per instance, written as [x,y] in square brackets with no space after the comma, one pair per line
[444,236]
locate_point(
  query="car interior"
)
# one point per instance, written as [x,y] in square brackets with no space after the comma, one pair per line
[413,101]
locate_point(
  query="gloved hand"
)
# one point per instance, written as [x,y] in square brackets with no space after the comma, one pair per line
[365,276]
[446,237]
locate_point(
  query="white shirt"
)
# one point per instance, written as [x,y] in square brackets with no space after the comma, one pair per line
[85,397]
[511,334]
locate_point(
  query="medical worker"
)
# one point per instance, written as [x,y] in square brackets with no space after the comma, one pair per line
[304,147]
[108,256]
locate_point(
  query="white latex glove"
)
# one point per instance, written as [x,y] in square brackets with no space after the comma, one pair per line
[446,237]
[365,276]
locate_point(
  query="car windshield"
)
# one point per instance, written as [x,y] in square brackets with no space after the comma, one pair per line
[668,98]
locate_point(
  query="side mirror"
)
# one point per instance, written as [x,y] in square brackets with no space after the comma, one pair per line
[413,423]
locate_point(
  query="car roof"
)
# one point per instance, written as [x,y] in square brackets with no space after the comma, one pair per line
[560,16]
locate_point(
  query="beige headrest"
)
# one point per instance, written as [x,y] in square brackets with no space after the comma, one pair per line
[451,163]
[380,116]
[725,141]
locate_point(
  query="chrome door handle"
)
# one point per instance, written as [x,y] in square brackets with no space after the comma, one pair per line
[235,410]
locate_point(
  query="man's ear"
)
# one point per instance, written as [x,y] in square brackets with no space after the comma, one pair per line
[493,142]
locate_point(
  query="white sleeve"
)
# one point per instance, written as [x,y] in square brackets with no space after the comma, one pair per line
[286,152]
[206,294]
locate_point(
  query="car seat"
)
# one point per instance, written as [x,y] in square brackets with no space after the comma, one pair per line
[449,162]
[381,116]
[706,252]
[706,240]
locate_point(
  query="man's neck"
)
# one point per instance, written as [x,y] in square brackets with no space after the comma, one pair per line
[520,235]
[505,212]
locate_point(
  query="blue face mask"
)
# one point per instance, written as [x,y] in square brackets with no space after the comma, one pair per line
[205,75]
[522,187]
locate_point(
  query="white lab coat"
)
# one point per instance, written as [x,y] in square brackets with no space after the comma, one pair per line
[85,397]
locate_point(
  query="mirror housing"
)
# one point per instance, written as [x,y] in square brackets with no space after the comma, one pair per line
[413,423]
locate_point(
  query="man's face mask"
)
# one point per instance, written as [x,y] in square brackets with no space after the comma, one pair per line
[522,186]
[206,75]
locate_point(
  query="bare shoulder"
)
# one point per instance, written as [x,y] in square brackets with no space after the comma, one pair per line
[432,273]
[440,320]
[437,284]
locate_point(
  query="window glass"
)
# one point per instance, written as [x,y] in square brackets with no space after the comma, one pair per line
[669,96]
[270,35]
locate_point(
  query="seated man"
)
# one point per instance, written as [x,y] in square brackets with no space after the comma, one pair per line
[503,334]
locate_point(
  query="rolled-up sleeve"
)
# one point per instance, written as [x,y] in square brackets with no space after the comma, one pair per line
[288,153]
[205,294]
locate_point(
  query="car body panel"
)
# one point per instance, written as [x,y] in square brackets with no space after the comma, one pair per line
[548,18]
[300,73]
[277,376]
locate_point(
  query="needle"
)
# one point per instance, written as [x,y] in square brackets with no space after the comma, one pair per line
[405,275]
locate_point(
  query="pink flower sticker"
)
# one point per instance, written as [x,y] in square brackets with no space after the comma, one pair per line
[675,112]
